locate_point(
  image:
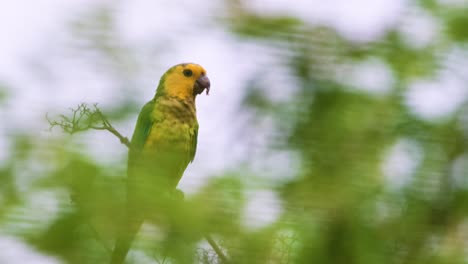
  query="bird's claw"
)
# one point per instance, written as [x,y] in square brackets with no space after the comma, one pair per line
[178,195]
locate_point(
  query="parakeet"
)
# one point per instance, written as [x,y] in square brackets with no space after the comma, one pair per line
[163,144]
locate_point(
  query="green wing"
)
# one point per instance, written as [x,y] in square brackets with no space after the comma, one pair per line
[142,131]
[193,146]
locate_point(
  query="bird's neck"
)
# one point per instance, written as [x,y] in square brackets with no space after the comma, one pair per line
[183,110]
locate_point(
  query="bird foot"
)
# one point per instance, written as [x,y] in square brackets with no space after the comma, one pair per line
[178,195]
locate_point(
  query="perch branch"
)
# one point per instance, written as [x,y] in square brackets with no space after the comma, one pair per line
[216,248]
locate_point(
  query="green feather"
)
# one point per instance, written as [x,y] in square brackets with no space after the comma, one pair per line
[142,130]
[194,139]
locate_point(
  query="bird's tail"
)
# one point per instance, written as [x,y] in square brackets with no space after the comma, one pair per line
[124,242]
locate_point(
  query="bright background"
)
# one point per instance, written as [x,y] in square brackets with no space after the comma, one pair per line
[57,54]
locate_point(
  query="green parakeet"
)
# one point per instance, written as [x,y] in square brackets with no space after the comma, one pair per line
[163,144]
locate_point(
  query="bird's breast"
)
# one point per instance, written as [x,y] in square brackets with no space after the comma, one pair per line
[168,135]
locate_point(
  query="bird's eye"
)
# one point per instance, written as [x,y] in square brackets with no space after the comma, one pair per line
[188,73]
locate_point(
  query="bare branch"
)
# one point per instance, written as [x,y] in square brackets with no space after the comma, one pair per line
[216,248]
[84,118]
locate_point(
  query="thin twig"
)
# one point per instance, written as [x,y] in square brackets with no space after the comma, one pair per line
[216,248]
[84,118]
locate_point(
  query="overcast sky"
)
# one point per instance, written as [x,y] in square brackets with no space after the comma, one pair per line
[35,34]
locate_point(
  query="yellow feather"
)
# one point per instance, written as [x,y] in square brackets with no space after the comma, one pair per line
[178,85]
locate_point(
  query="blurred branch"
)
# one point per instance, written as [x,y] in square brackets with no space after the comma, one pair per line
[216,248]
[84,118]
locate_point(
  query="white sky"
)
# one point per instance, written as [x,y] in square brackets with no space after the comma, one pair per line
[359,20]
[32,30]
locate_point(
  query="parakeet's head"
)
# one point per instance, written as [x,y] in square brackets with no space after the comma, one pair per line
[185,80]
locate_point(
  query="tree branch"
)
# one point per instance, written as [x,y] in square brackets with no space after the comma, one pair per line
[216,248]
[84,118]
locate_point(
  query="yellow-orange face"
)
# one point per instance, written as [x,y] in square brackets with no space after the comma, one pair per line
[184,80]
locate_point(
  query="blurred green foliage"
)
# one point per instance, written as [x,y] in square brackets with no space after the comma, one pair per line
[340,206]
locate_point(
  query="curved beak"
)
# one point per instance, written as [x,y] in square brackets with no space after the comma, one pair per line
[201,84]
